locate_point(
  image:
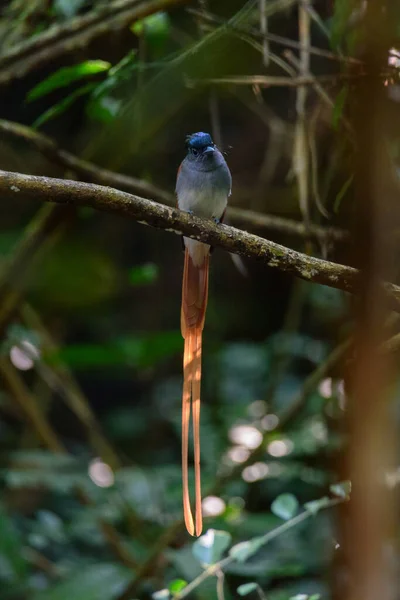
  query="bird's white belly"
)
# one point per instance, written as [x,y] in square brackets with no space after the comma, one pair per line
[203,202]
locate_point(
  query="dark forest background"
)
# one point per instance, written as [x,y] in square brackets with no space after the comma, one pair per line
[91,350]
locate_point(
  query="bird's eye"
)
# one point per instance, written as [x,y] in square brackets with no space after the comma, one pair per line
[195,152]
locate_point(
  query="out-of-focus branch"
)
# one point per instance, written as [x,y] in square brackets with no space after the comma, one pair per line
[75,34]
[61,379]
[147,212]
[42,231]
[267,80]
[50,149]
[301,151]
[33,415]
[366,530]
[277,39]
[28,407]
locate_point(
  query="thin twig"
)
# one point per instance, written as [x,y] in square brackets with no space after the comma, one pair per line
[91,172]
[262,541]
[264,31]
[29,408]
[322,93]
[60,378]
[301,163]
[220,575]
[278,39]
[267,80]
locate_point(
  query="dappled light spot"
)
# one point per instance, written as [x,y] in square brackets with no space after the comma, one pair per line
[255,472]
[341,395]
[246,435]
[238,454]
[213,506]
[280,448]
[392,478]
[319,431]
[24,355]
[325,388]
[270,422]
[394,58]
[258,408]
[100,473]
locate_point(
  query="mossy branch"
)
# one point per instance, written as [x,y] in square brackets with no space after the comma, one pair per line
[147,212]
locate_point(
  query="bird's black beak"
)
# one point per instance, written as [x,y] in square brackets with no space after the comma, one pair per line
[208,150]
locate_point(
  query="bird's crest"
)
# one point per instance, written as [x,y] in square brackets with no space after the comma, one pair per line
[199,140]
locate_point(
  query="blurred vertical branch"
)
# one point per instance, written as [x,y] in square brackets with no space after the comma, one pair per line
[370,426]
[32,413]
[28,406]
[300,151]
[59,378]
[15,275]
[264,31]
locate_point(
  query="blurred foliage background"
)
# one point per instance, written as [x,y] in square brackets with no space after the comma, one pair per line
[91,349]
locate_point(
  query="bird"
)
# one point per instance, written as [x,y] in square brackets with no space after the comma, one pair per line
[203,185]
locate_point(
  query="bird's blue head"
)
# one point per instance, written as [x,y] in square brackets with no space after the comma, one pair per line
[200,145]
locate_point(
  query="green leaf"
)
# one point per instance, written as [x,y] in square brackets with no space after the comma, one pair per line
[103,104]
[341,489]
[153,25]
[123,68]
[66,75]
[342,193]
[143,274]
[177,585]
[102,581]
[51,526]
[68,8]
[62,106]
[209,548]
[339,106]
[103,108]
[17,334]
[339,24]
[285,506]
[13,566]
[247,588]
[316,505]
[140,351]
[242,551]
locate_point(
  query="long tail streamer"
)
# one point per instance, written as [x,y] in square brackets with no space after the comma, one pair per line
[194,303]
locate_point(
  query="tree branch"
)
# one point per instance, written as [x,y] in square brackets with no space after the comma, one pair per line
[49,148]
[75,34]
[91,172]
[147,212]
[268,80]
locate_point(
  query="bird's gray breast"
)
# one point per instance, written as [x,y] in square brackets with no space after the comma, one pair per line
[205,193]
